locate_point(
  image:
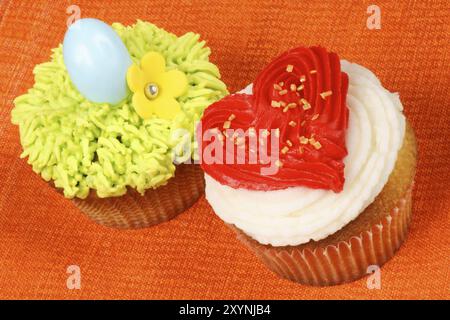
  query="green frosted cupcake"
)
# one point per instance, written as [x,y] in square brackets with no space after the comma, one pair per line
[117,161]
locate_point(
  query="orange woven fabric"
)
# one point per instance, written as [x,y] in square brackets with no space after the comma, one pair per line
[196,255]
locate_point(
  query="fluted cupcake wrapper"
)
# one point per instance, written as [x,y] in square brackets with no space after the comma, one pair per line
[346,260]
[134,211]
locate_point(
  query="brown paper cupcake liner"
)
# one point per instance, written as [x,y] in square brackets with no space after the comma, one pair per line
[345,261]
[134,211]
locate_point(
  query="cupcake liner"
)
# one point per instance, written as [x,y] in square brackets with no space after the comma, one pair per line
[134,211]
[345,261]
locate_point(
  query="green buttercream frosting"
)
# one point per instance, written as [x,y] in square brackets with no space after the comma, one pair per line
[82,145]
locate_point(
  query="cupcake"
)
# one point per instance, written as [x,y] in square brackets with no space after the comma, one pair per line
[102,122]
[312,166]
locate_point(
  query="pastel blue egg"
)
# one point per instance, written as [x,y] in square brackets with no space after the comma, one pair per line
[97,61]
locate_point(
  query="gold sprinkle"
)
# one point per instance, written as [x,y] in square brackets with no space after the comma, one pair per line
[292,105]
[313,71]
[275,104]
[283,104]
[306,106]
[289,68]
[300,88]
[305,103]
[289,143]
[326,94]
[282,92]
[227,124]
[303,123]
[302,79]
[303,140]
[281,83]
[284,150]
[312,140]
[315,117]
[292,123]
[232,117]
[317,145]
[293,87]
[278,163]
[286,109]
[277,87]
[300,149]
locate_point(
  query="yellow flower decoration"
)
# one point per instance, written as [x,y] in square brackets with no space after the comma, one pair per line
[155,89]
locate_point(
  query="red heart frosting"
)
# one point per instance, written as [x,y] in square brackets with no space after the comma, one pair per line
[302,94]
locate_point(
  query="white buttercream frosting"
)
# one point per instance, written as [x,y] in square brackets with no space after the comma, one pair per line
[296,215]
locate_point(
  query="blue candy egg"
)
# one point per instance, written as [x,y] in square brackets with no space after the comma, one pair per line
[97,61]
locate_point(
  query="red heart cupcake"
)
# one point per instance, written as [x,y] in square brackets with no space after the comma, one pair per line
[313,166]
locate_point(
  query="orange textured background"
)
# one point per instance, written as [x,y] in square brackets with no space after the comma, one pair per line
[196,255]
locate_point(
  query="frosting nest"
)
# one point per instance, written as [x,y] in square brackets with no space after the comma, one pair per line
[81,145]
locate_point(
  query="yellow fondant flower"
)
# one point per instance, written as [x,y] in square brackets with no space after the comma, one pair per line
[155,89]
